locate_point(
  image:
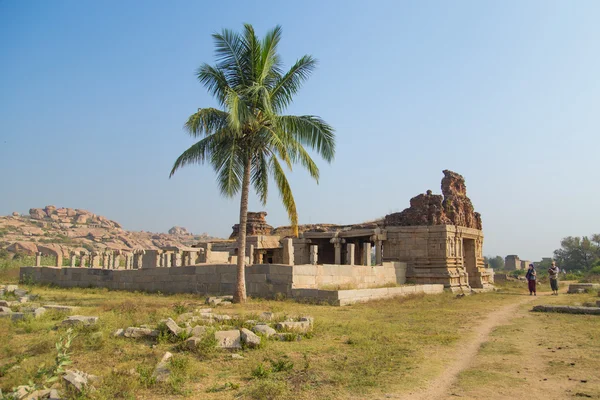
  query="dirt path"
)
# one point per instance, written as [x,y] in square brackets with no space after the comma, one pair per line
[465,353]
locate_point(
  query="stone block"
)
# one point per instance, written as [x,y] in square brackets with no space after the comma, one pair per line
[228,339]
[79,320]
[250,339]
[162,371]
[264,329]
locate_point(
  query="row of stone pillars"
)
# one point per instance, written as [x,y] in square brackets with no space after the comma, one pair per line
[112,260]
[288,252]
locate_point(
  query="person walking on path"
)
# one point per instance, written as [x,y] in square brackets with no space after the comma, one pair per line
[531,277]
[553,271]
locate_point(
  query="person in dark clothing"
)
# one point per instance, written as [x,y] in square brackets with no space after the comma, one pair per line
[531,277]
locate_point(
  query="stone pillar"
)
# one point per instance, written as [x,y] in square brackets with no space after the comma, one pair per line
[94,260]
[167,260]
[109,260]
[350,254]
[82,260]
[104,257]
[193,257]
[378,252]
[260,256]
[73,260]
[59,260]
[207,252]
[116,261]
[337,246]
[314,254]
[366,254]
[288,251]
[177,259]
[250,254]
[38,259]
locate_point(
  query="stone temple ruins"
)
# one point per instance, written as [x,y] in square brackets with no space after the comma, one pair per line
[436,243]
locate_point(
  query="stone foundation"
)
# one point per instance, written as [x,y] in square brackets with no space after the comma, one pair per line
[262,280]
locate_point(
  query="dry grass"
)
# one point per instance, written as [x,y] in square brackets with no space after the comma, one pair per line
[391,345]
[538,356]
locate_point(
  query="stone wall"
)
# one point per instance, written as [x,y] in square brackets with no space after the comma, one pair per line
[349,276]
[347,297]
[262,280]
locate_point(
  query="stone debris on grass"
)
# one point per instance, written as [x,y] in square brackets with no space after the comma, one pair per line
[59,307]
[221,317]
[15,316]
[79,320]
[4,309]
[192,343]
[213,301]
[264,329]
[38,312]
[568,309]
[20,292]
[294,326]
[172,326]
[78,380]
[119,332]
[266,316]
[4,303]
[228,339]
[236,356]
[23,299]
[249,338]
[134,332]
[225,303]
[198,331]
[204,310]
[162,372]
[582,287]
[10,288]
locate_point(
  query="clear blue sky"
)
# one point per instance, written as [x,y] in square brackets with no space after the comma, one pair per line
[93,96]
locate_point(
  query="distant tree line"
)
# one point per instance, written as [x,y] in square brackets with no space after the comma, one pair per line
[575,254]
[578,253]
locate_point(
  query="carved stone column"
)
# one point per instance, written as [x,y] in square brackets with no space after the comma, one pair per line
[350,254]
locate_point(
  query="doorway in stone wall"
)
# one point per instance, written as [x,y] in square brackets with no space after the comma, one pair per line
[470,259]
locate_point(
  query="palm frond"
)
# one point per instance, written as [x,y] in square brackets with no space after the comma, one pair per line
[285,191]
[198,153]
[311,131]
[260,176]
[229,49]
[206,121]
[289,84]
[214,80]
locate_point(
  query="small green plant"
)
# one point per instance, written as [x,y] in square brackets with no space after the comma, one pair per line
[281,365]
[222,388]
[179,308]
[179,374]
[145,376]
[261,372]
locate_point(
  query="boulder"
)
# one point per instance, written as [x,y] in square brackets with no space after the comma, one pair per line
[228,339]
[198,331]
[249,338]
[4,303]
[11,288]
[264,329]
[79,320]
[162,370]
[119,332]
[28,248]
[213,301]
[37,213]
[5,310]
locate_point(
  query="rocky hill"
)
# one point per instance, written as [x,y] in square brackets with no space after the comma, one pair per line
[72,229]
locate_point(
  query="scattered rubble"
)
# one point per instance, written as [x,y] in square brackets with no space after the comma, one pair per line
[249,338]
[79,320]
[78,380]
[228,339]
[568,309]
[162,371]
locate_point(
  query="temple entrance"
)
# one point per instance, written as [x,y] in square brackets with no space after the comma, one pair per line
[470,259]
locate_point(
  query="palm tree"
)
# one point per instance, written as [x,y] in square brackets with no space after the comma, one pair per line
[249,139]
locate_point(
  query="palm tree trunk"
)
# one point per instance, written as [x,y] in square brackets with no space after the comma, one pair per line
[240,291]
